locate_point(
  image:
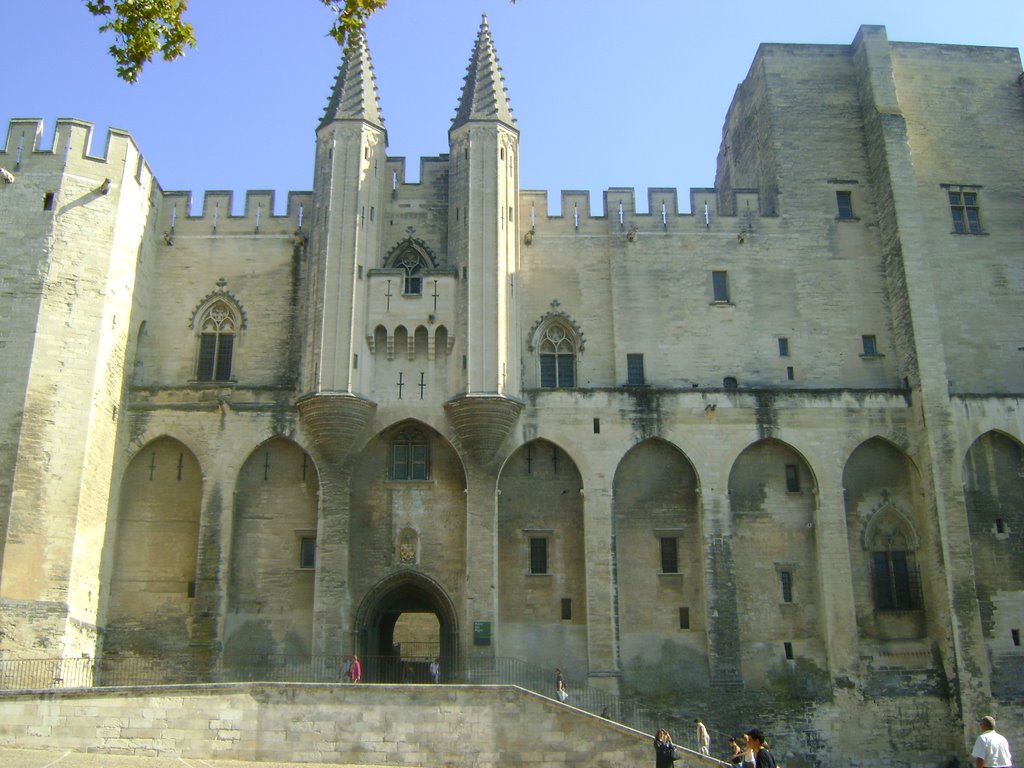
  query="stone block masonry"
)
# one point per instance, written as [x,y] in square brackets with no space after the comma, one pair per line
[452,726]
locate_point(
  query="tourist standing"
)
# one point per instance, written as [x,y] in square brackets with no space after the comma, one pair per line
[735,752]
[664,749]
[991,749]
[435,670]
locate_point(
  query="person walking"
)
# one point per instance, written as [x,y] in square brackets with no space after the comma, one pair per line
[735,751]
[991,749]
[703,740]
[355,670]
[664,749]
[560,690]
[756,744]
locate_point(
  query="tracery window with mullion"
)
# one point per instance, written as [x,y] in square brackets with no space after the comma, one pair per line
[557,359]
[412,283]
[216,344]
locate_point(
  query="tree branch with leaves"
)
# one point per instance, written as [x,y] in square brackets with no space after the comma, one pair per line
[144,28]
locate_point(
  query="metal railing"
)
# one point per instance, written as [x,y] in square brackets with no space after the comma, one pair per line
[110,671]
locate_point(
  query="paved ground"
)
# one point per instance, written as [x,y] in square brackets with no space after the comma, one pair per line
[35,758]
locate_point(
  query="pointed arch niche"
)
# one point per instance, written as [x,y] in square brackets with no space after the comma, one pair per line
[273,542]
[408,510]
[885,530]
[542,590]
[659,565]
[153,568]
[994,496]
[773,505]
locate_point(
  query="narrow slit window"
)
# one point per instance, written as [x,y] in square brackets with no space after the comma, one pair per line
[844,204]
[538,555]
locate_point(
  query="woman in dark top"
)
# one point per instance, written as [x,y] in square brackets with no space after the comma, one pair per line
[663,749]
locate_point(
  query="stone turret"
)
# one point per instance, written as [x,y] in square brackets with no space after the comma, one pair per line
[484,202]
[345,236]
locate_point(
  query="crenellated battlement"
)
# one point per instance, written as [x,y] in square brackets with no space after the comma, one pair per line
[620,205]
[70,151]
[216,217]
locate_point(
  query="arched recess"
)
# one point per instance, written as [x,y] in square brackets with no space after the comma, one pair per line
[887,538]
[773,501]
[273,552]
[408,488]
[403,623]
[994,495]
[659,566]
[542,587]
[153,571]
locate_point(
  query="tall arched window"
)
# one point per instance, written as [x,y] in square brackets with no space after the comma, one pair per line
[410,456]
[218,326]
[557,358]
[895,583]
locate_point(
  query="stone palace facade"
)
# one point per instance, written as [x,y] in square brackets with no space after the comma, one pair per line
[761,461]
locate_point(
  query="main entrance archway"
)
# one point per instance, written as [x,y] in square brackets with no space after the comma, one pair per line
[403,624]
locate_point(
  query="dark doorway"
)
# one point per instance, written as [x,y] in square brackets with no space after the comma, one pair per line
[405,623]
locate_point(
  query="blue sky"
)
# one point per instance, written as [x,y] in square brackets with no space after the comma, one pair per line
[606,93]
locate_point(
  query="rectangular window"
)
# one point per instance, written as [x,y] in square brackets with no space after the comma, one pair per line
[566,609]
[844,202]
[635,370]
[669,554]
[48,201]
[684,618]
[548,376]
[792,478]
[963,205]
[786,582]
[720,286]
[787,647]
[870,346]
[783,346]
[307,552]
[538,555]
[1015,636]
[895,582]
[790,374]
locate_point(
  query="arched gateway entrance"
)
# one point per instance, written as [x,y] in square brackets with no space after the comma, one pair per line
[403,624]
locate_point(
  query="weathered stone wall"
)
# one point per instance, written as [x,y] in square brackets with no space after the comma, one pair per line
[457,726]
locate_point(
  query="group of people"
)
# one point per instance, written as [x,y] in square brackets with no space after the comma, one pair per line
[351,669]
[991,749]
[751,753]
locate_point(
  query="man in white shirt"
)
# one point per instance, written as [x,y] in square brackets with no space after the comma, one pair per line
[991,750]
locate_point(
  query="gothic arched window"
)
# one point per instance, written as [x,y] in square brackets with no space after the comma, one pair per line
[410,456]
[217,328]
[412,263]
[557,358]
[895,583]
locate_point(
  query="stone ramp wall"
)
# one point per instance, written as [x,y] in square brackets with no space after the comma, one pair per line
[437,726]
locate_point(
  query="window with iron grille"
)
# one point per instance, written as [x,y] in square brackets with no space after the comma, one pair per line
[635,370]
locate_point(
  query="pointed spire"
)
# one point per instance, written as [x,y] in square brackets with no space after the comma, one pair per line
[355,89]
[483,95]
